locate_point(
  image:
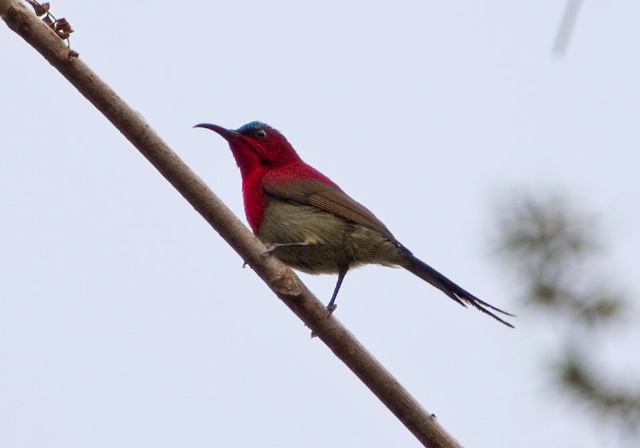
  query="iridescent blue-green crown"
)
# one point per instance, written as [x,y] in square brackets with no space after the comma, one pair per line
[251,127]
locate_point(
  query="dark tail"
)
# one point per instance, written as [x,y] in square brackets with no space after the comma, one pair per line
[428,274]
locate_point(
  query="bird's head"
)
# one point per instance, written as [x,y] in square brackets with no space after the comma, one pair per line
[256,145]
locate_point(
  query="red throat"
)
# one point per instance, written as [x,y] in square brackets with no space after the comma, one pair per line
[254,196]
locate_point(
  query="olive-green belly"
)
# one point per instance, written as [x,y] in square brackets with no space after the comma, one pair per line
[326,243]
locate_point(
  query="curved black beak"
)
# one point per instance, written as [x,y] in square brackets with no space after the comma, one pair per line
[225,133]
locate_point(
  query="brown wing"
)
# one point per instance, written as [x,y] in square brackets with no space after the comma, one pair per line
[326,197]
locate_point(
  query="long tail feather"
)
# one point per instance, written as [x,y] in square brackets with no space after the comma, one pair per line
[430,275]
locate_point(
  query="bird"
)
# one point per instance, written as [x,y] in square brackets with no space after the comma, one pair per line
[310,224]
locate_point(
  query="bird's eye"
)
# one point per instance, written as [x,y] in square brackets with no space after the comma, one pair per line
[261,133]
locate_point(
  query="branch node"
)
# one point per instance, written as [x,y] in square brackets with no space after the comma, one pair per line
[286,284]
[68,54]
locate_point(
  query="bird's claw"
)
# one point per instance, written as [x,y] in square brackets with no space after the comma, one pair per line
[331,308]
[270,248]
[273,246]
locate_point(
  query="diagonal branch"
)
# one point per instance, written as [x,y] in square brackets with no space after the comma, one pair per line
[284,283]
[566,26]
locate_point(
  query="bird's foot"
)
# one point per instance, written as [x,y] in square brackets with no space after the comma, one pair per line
[273,246]
[270,248]
[330,308]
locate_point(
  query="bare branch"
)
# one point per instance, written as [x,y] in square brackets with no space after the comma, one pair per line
[566,27]
[278,277]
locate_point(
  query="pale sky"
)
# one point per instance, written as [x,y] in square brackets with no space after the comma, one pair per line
[126,321]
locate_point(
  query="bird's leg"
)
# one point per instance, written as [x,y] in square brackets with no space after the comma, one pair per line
[332,305]
[273,246]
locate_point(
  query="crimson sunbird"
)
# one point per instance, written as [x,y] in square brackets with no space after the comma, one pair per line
[310,224]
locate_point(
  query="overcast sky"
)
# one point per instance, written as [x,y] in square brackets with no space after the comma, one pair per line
[126,321]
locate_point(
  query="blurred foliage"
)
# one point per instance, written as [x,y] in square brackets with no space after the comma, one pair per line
[621,403]
[554,251]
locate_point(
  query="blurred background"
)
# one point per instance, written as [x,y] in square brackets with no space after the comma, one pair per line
[497,140]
